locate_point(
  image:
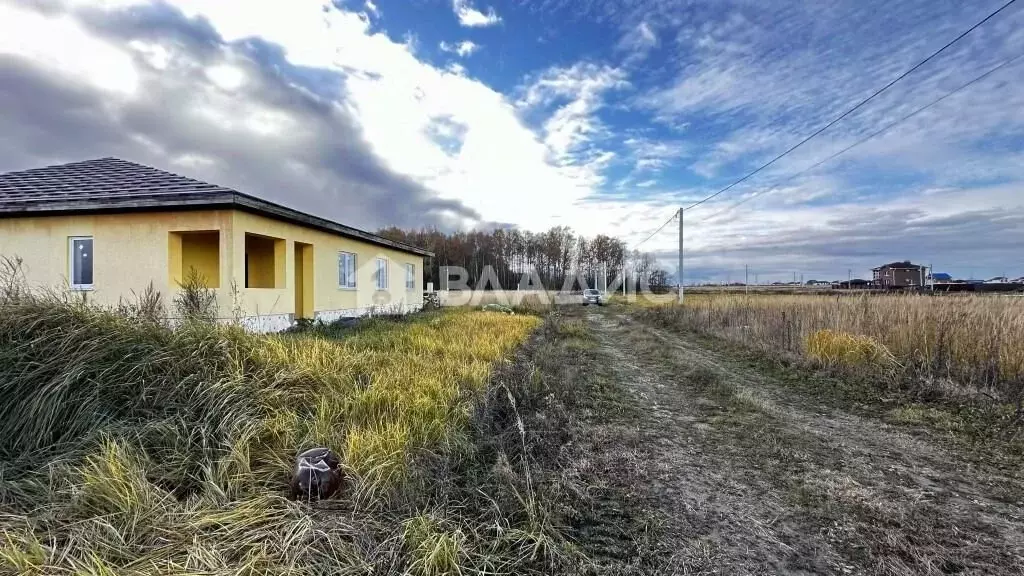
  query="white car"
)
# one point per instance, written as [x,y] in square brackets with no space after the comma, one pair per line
[591,296]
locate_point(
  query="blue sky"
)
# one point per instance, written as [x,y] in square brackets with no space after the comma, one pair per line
[602,115]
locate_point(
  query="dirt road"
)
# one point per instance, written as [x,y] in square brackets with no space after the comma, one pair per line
[711,467]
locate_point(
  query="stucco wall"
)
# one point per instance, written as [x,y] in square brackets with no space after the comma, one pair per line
[129,250]
[328,298]
[199,251]
[132,250]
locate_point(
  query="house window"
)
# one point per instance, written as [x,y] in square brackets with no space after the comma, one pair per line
[80,261]
[346,270]
[381,274]
[410,276]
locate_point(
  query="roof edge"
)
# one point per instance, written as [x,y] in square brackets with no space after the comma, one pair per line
[226,198]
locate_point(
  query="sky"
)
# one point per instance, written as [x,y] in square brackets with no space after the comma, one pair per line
[601,115]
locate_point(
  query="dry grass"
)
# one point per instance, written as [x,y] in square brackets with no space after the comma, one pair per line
[525,302]
[969,342]
[130,448]
[836,348]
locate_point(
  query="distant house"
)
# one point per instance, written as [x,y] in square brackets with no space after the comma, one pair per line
[856,283]
[107,228]
[899,275]
[997,280]
[940,277]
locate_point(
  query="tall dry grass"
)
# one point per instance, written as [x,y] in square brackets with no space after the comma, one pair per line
[969,342]
[127,447]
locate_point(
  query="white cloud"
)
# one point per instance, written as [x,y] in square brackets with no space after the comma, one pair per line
[463,49]
[739,73]
[156,55]
[500,167]
[584,79]
[638,41]
[372,8]
[470,17]
[194,160]
[226,77]
[654,154]
[70,50]
[572,97]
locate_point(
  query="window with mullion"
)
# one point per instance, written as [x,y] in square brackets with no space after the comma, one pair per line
[346,270]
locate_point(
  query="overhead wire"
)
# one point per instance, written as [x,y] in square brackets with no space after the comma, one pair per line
[871,136]
[842,116]
[662,227]
[860,104]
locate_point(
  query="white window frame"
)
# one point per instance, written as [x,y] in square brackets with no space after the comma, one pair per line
[71,262]
[352,281]
[410,276]
[377,277]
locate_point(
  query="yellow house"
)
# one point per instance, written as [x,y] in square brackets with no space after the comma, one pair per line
[108,228]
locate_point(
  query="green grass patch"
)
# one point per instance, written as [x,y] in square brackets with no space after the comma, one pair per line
[918,414]
[574,328]
[127,447]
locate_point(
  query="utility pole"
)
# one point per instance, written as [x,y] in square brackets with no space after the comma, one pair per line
[681,256]
[746,279]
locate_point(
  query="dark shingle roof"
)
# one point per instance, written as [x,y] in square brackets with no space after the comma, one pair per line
[905,265]
[102,179]
[114,185]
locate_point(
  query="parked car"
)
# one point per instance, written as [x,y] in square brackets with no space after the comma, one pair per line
[591,296]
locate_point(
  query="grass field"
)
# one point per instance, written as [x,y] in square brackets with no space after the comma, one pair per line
[723,460]
[942,344]
[130,448]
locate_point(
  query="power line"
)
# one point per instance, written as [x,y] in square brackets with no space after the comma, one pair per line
[871,136]
[662,227]
[855,108]
[840,118]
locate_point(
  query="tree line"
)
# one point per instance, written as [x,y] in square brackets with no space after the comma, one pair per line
[558,257]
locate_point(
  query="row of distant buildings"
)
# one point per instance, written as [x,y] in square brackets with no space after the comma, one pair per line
[907,275]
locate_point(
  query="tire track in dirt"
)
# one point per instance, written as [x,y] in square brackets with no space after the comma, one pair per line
[708,522]
[917,458]
[748,477]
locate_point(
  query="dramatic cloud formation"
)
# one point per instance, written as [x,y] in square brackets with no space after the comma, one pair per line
[603,115]
[371,136]
[153,86]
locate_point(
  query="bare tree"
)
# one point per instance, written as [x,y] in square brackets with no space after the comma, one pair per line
[555,255]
